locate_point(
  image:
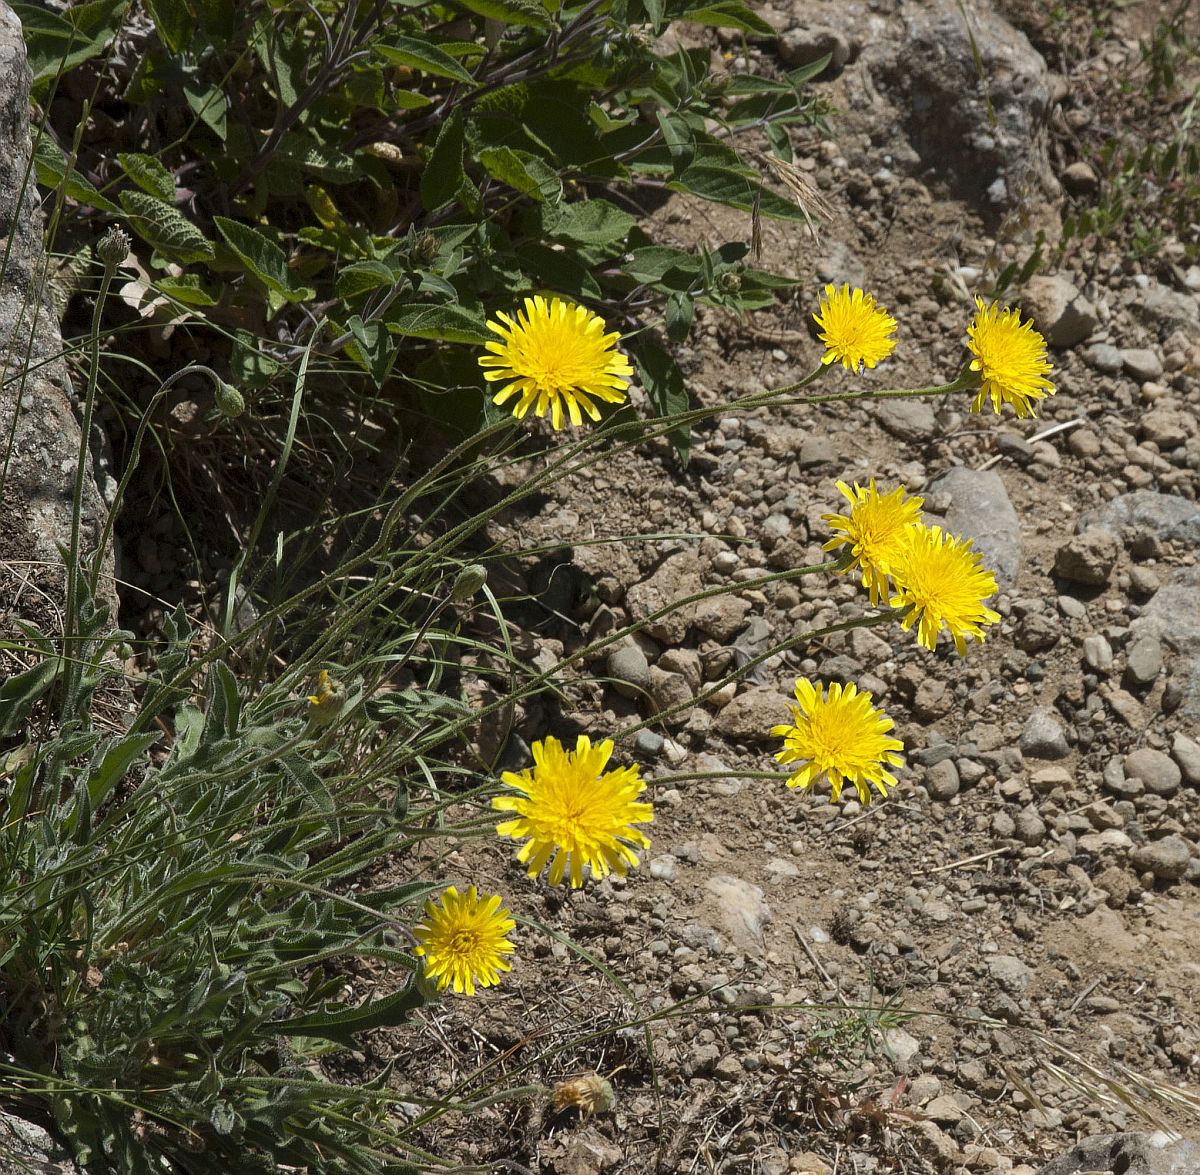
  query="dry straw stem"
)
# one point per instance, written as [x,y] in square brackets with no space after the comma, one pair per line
[808,199]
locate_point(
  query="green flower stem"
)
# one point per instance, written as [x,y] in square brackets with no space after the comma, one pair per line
[966,380]
[73,663]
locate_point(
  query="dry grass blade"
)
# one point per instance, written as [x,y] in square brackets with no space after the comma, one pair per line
[808,198]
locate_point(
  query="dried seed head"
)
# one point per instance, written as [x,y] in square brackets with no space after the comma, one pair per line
[589,1094]
[113,247]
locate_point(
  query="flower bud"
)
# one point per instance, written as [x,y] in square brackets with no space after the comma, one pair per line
[468,582]
[230,402]
[113,247]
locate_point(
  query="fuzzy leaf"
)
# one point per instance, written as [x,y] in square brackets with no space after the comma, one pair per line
[165,227]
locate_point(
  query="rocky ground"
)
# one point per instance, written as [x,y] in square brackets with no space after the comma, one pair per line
[942,982]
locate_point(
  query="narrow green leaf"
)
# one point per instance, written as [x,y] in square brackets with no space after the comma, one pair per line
[727,14]
[423,56]
[19,693]
[165,227]
[149,175]
[187,288]
[341,1026]
[53,170]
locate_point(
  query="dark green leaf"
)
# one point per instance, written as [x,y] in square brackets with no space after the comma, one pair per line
[19,693]
[443,176]
[679,314]
[558,270]
[149,175]
[209,104]
[187,288]
[262,258]
[56,43]
[173,23]
[423,56]
[362,277]
[53,170]
[451,324]
[518,12]
[664,384]
[165,227]
[726,14]
[523,171]
[589,222]
[372,347]
[340,1026]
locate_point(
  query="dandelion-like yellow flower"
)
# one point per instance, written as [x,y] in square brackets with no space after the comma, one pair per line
[841,737]
[1011,359]
[573,810]
[326,704]
[873,532]
[854,330]
[940,581]
[464,940]
[554,353]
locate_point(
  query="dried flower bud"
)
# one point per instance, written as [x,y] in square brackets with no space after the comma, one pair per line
[325,705]
[425,247]
[589,1094]
[113,247]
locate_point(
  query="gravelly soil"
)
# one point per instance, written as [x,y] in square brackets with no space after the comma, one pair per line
[886,988]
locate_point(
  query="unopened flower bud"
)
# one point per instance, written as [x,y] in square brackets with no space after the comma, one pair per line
[113,247]
[729,282]
[230,402]
[425,247]
[468,582]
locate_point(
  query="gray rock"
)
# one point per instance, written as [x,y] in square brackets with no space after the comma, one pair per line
[1116,782]
[663,868]
[1060,312]
[677,576]
[1104,357]
[24,1147]
[1157,772]
[1172,617]
[1143,662]
[1167,427]
[803,46]
[1088,557]
[672,695]
[1167,859]
[741,908]
[649,742]
[1165,516]
[1079,179]
[1128,1154]
[1009,972]
[942,781]
[721,617]
[1186,753]
[1097,652]
[38,412]
[1043,737]
[1167,310]
[1030,827]
[752,713]
[910,420]
[629,670]
[980,510]
[1142,364]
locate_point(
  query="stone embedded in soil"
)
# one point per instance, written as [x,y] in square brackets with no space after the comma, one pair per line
[752,713]
[1167,858]
[980,509]
[1128,1154]
[629,670]
[1060,312]
[1186,753]
[1030,827]
[1097,652]
[721,617]
[1088,557]
[1158,773]
[677,576]
[672,695]
[1144,661]
[942,781]
[1043,737]
[910,420]
[742,910]
[803,46]
[1173,617]
[1105,358]
[1145,512]
[1141,364]
[1008,971]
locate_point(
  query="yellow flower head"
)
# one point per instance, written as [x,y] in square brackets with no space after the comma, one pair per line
[572,809]
[1011,359]
[854,330]
[873,532]
[841,737]
[464,940]
[554,353]
[939,580]
[326,704]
